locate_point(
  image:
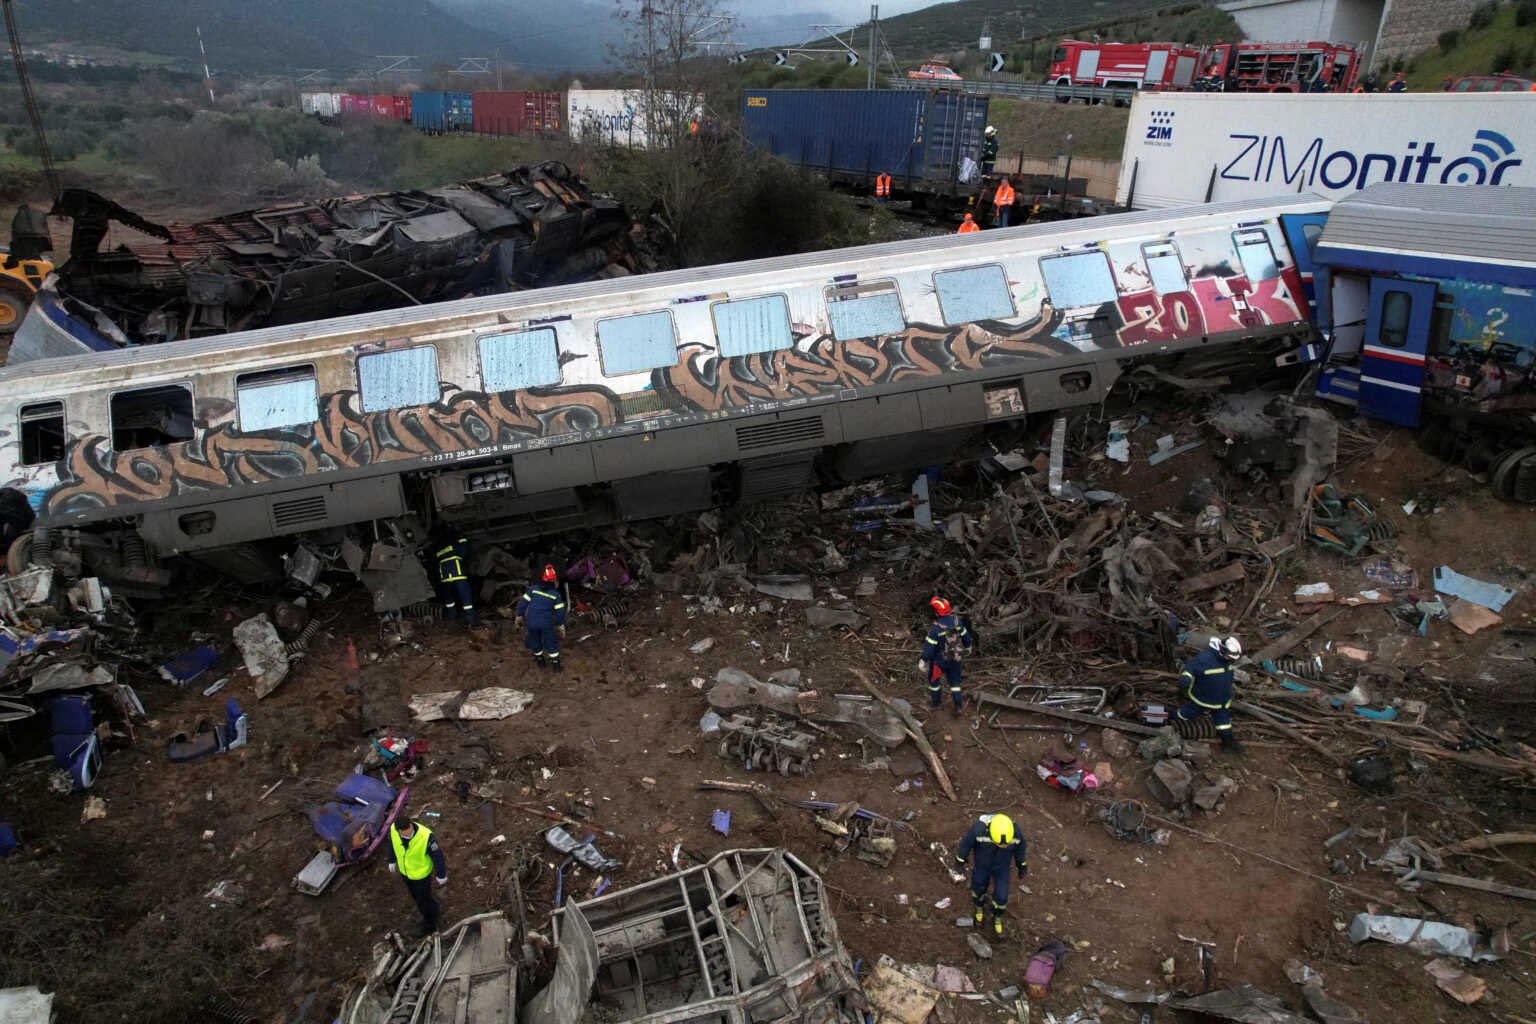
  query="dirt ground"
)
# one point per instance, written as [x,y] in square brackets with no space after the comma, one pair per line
[120,916]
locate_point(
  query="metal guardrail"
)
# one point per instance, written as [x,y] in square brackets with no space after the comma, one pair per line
[1044,91]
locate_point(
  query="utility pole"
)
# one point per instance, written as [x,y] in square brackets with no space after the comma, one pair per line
[649,14]
[874,31]
[207,75]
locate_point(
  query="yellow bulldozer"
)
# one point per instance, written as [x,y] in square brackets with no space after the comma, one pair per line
[19,281]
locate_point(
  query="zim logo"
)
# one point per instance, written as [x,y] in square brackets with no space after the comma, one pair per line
[757,101]
[1161,128]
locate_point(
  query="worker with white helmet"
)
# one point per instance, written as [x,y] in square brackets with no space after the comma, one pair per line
[989,151]
[998,849]
[1206,684]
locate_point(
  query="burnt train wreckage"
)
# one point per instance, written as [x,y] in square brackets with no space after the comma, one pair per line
[303,261]
[529,413]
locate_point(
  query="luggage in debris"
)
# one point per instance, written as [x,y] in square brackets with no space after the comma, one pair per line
[352,827]
[1064,773]
[1042,967]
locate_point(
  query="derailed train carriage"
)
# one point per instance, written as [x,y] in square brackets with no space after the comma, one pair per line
[523,414]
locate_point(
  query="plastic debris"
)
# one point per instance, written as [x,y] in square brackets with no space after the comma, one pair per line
[188,665]
[1453,584]
[720,821]
[1455,982]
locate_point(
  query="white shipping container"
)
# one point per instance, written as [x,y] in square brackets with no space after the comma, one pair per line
[1183,149]
[614,116]
[321,104]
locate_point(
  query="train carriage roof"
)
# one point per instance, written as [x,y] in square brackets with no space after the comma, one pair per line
[1439,230]
[247,346]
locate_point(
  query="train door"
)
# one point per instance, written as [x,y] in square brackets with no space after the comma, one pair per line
[1157,63]
[1397,323]
[1302,230]
[1087,72]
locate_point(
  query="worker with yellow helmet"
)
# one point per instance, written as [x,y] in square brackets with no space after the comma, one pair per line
[998,848]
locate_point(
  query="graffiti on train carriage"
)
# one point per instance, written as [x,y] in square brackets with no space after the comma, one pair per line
[92,476]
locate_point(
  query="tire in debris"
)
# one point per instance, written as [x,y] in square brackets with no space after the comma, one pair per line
[13,310]
[1513,476]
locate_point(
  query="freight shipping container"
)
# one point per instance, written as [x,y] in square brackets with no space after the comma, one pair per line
[1188,148]
[320,104]
[616,117]
[442,111]
[513,113]
[353,104]
[919,137]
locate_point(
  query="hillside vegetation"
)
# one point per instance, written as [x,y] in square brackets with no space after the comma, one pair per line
[1498,39]
[1187,23]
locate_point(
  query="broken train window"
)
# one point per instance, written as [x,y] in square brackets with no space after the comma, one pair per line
[1257,257]
[748,326]
[1165,268]
[277,398]
[1078,279]
[868,309]
[145,417]
[42,433]
[973,293]
[394,380]
[527,359]
[634,344]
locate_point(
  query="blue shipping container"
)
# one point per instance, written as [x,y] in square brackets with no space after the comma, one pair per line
[916,136]
[442,111]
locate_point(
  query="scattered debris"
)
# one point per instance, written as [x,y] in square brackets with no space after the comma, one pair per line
[1171,782]
[352,827]
[94,809]
[489,704]
[1432,938]
[826,618]
[898,997]
[1453,584]
[1455,982]
[701,646]
[978,946]
[1042,968]
[265,654]
[766,743]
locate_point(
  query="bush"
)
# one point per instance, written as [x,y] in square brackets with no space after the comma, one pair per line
[1449,40]
[1483,14]
[1525,13]
[1506,58]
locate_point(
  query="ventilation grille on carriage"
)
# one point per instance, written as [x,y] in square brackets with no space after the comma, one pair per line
[771,435]
[296,511]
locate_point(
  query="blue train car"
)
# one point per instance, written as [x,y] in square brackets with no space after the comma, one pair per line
[1426,295]
[919,137]
[438,112]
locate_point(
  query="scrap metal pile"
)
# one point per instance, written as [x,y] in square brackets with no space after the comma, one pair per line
[525,228]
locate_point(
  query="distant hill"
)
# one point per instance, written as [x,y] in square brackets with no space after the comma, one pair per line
[260,35]
[570,35]
[945,28]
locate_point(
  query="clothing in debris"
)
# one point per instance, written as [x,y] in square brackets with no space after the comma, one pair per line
[948,642]
[419,860]
[453,580]
[996,849]
[542,610]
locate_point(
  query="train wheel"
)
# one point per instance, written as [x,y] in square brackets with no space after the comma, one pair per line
[18,557]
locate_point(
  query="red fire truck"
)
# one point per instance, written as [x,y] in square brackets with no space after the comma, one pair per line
[1125,65]
[1220,67]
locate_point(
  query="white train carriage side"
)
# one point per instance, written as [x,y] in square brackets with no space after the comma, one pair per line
[563,407]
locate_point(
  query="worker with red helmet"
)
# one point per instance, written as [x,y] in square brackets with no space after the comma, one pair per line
[542,608]
[948,642]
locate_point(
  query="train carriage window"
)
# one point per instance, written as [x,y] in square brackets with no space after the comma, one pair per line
[146,417]
[1395,310]
[394,380]
[1257,257]
[747,326]
[634,344]
[973,293]
[273,399]
[1078,279]
[869,309]
[526,359]
[42,433]
[1165,267]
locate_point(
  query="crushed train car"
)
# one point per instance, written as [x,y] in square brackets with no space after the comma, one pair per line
[303,261]
[746,938]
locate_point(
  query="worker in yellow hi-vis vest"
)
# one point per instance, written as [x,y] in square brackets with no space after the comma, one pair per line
[419,859]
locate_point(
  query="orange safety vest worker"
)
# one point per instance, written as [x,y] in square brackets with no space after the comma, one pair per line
[1004,195]
[968,225]
[882,186]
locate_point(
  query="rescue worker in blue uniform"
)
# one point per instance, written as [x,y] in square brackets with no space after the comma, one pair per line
[1206,686]
[948,642]
[418,859]
[453,580]
[997,850]
[542,607]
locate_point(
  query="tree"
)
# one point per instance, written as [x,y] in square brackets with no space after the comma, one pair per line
[686,172]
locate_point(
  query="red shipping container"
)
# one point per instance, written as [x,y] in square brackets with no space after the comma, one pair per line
[351,103]
[402,108]
[516,113]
